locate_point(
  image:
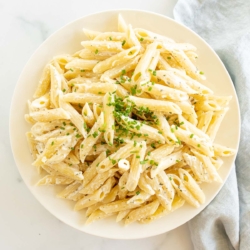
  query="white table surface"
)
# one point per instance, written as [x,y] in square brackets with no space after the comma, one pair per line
[24,223]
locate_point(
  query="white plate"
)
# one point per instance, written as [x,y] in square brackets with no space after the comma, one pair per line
[67,40]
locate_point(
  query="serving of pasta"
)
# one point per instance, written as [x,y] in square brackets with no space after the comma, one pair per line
[127,125]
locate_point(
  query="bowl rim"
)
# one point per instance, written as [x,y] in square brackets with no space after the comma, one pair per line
[11,112]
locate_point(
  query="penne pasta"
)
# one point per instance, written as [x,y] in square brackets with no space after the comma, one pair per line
[155,105]
[122,214]
[164,92]
[168,188]
[91,172]
[91,34]
[207,163]
[91,55]
[81,64]
[131,37]
[161,211]
[115,60]
[141,70]
[32,145]
[88,115]
[197,167]
[183,191]
[166,162]
[123,67]
[75,117]
[70,189]
[164,127]
[67,171]
[172,80]
[82,98]
[97,215]
[40,103]
[54,180]
[97,196]
[113,159]
[145,186]
[98,88]
[149,36]
[117,206]
[97,46]
[220,150]
[136,166]
[49,115]
[192,186]
[122,26]
[97,181]
[44,83]
[204,120]
[142,212]
[215,123]
[55,87]
[111,36]
[92,137]
[136,126]
[200,144]
[185,62]
[109,119]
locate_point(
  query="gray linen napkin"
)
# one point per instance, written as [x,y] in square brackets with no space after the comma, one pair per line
[225,25]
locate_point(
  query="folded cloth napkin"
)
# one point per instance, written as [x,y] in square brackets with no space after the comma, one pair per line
[225,25]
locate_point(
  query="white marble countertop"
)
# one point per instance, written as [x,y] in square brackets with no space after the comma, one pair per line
[24,223]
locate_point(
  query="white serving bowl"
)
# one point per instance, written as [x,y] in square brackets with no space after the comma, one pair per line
[67,40]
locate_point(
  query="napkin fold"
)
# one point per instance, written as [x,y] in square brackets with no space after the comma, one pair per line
[225,25]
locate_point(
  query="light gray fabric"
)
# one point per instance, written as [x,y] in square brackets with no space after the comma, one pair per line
[225,25]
